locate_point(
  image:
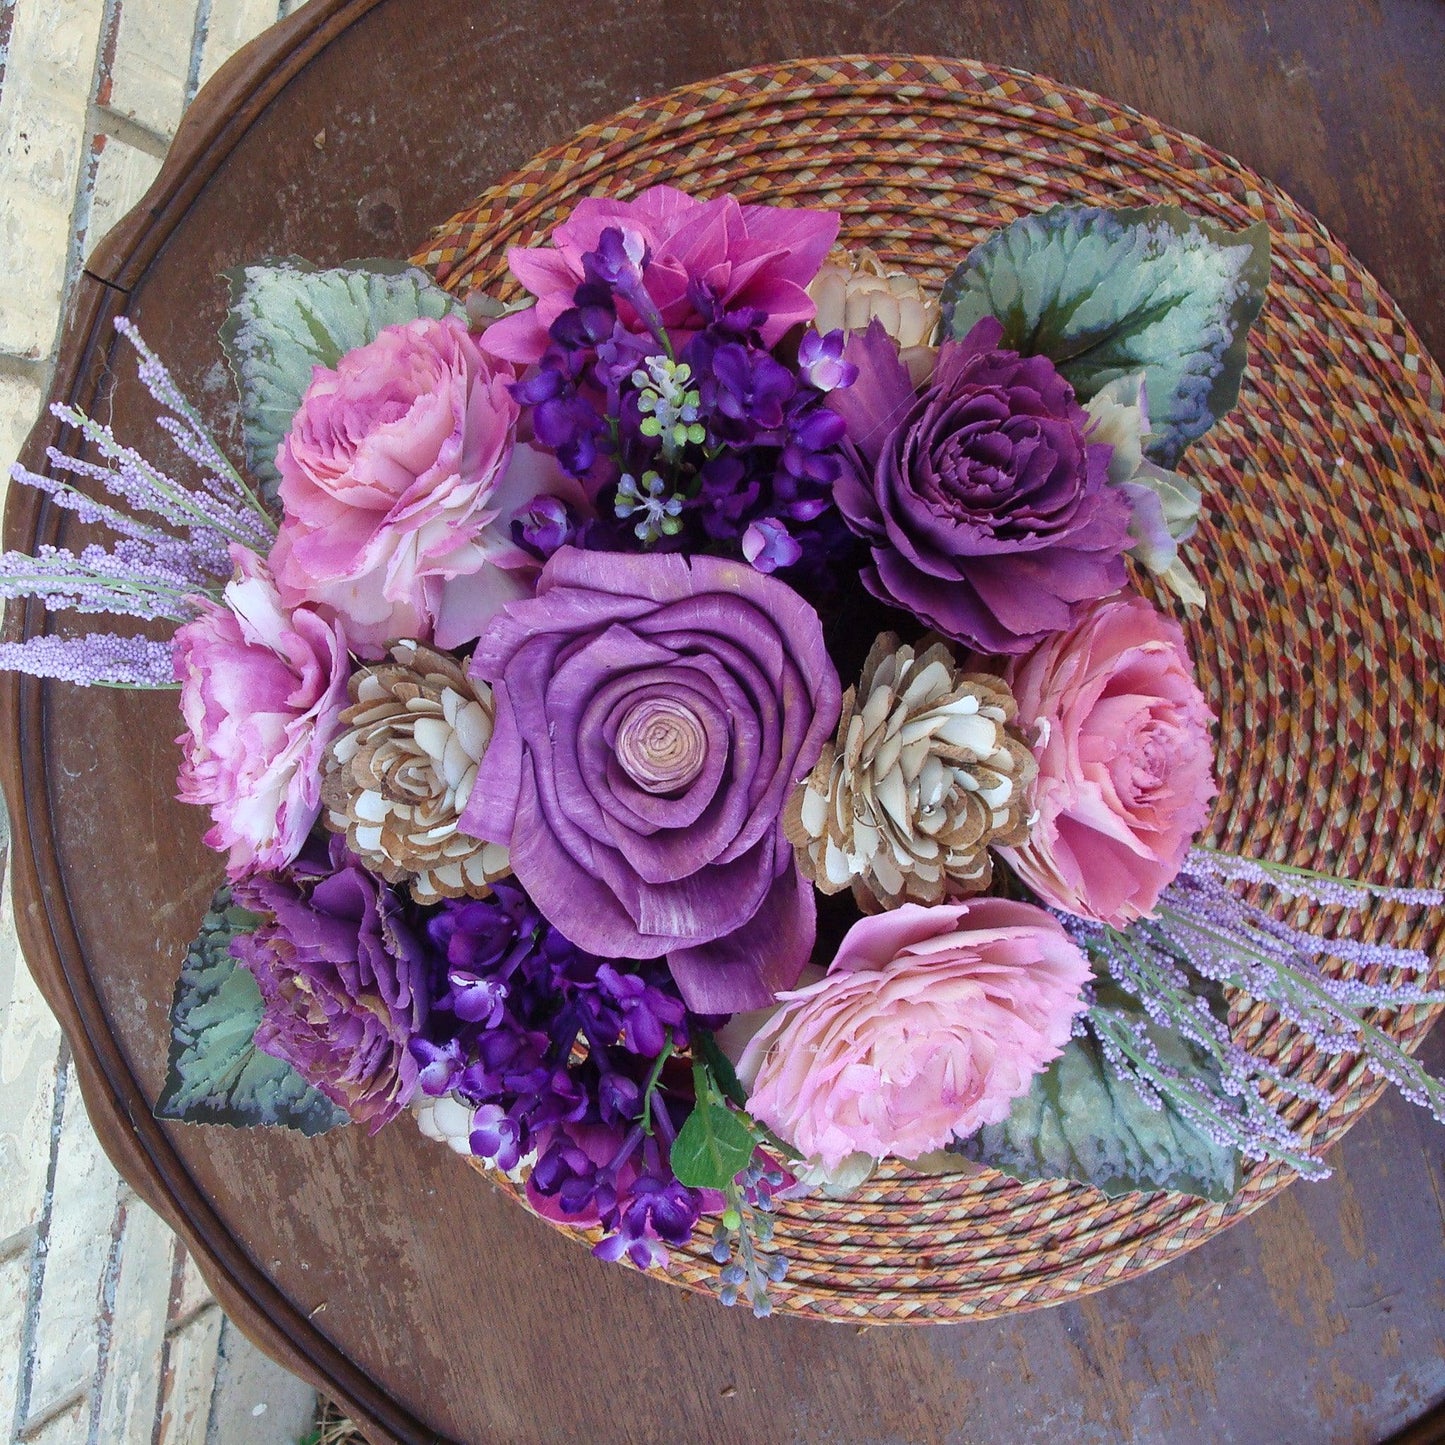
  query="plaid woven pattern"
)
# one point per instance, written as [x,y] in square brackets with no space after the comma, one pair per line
[1322,549]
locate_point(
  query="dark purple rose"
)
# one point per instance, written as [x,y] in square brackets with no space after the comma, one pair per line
[346,983]
[653,714]
[989,515]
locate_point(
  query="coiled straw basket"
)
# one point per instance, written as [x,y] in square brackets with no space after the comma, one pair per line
[1321,551]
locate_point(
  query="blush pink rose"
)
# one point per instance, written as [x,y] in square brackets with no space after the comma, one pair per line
[1126,764]
[261,691]
[929,1023]
[397,479]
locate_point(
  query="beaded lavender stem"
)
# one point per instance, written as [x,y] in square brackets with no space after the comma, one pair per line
[173,546]
[1203,930]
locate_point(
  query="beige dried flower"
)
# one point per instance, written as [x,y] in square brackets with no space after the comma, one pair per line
[927,772]
[399,774]
[854,291]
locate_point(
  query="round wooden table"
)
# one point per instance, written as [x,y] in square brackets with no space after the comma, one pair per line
[384,1269]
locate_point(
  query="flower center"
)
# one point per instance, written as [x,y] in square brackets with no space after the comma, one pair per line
[661,745]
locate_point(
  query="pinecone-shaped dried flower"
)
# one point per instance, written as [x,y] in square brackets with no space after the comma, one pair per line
[400,772]
[928,771]
[855,291]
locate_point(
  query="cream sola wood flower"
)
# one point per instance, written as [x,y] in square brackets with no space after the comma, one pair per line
[853,290]
[926,774]
[400,772]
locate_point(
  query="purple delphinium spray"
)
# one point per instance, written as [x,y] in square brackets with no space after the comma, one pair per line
[719,446]
[172,541]
[1203,929]
[561,1056]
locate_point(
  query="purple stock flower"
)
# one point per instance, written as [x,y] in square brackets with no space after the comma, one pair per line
[652,716]
[768,545]
[821,363]
[346,982]
[988,514]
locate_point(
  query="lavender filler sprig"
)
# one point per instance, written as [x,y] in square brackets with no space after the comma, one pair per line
[1203,929]
[172,549]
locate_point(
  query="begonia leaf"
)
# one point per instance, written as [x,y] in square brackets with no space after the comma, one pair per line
[1081,1121]
[287,317]
[1106,293]
[216,1074]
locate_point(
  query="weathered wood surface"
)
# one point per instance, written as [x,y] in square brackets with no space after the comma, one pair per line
[383,1269]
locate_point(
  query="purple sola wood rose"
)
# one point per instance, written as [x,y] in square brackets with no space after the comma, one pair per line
[346,984]
[653,714]
[988,513]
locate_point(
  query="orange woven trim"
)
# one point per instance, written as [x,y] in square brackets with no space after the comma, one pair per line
[1321,544]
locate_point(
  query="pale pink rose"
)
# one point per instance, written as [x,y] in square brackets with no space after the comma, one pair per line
[393,478]
[1126,765]
[261,690]
[929,1023]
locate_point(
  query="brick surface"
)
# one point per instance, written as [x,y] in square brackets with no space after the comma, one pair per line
[130,1379]
[231,24]
[43,137]
[253,1400]
[14,1285]
[190,1373]
[122,175]
[29,1050]
[151,65]
[76,1241]
[21,398]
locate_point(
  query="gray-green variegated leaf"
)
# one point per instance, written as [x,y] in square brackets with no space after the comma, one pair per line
[1081,1121]
[1106,293]
[216,1074]
[287,317]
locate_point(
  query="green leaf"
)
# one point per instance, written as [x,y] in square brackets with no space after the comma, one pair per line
[714,1143]
[1081,1121]
[720,1067]
[287,317]
[1107,293]
[216,1074]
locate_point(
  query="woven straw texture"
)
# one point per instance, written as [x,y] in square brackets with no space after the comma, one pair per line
[1321,550]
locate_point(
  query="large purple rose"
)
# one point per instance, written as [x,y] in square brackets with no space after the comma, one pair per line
[346,983]
[653,714]
[988,513]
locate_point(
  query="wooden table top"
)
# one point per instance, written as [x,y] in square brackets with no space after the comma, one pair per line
[384,1269]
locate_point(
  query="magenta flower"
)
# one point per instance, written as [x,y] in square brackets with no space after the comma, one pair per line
[653,715]
[261,691]
[742,255]
[929,1023]
[988,513]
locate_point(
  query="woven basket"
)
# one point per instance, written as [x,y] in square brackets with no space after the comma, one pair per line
[1321,549]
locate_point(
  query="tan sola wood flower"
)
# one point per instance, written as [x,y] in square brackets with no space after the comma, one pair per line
[854,291]
[399,774]
[927,773]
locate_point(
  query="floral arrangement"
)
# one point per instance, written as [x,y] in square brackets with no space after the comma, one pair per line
[709,728]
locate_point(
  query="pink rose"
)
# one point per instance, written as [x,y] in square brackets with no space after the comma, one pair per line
[930,1022]
[742,255]
[1126,765]
[261,690]
[396,479]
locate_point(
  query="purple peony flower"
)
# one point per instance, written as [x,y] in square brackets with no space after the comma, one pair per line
[988,513]
[346,983]
[652,716]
